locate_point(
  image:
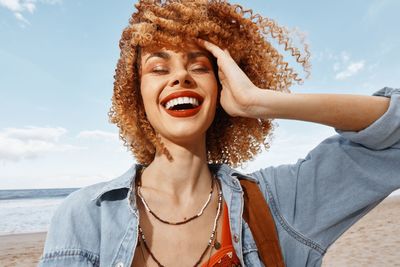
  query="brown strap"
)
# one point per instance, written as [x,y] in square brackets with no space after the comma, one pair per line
[259,218]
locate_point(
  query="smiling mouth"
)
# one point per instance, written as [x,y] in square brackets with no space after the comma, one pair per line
[182,104]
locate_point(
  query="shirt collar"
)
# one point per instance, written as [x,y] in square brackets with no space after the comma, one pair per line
[226,174]
[230,176]
[122,181]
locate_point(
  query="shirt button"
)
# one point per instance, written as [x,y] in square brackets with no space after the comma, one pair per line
[235,238]
[119,264]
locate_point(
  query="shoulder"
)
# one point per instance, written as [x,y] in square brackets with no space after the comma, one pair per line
[81,200]
[74,231]
[85,203]
[77,221]
[75,218]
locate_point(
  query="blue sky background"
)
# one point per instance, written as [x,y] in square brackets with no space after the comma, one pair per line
[57,61]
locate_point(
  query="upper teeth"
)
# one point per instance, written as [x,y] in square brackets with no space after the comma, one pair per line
[181,100]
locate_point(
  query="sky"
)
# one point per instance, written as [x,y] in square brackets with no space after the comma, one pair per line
[57,61]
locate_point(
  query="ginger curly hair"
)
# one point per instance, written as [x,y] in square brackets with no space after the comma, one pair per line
[247,36]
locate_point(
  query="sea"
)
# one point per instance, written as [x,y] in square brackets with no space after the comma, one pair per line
[29,210]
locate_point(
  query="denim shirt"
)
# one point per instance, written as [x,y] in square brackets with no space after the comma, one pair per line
[312,201]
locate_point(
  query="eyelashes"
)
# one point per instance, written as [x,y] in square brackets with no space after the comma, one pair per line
[159,71]
[163,70]
[201,70]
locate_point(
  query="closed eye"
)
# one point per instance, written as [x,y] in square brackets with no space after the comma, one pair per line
[159,70]
[201,70]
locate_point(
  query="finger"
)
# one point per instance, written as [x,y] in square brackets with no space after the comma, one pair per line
[214,49]
[227,52]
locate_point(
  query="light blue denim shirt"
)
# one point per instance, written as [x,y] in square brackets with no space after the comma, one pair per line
[312,201]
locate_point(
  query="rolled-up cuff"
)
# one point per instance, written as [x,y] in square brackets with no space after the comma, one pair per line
[385,131]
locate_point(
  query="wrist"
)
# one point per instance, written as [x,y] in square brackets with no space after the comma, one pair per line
[268,104]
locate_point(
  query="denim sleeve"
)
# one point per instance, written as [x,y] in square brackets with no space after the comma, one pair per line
[72,234]
[384,132]
[339,181]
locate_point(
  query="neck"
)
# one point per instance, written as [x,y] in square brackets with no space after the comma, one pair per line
[186,175]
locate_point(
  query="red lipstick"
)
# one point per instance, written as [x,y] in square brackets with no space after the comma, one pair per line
[183,112]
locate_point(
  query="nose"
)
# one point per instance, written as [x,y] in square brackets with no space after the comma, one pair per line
[182,78]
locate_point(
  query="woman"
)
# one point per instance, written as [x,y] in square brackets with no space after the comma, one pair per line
[190,110]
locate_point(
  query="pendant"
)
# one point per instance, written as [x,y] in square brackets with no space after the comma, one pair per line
[217,245]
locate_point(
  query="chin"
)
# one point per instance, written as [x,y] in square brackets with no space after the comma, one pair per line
[184,134]
[182,130]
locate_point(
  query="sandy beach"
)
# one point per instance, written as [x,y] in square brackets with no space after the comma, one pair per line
[372,241]
[21,249]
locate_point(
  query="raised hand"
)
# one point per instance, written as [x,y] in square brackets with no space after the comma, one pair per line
[238,92]
[240,97]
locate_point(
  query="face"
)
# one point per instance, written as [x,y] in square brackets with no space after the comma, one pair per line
[179,90]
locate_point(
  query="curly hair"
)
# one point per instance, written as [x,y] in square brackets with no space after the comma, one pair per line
[247,36]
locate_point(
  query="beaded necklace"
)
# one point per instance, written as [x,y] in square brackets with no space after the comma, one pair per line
[210,241]
[174,223]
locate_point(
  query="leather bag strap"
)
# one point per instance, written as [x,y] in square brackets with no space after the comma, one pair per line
[262,226]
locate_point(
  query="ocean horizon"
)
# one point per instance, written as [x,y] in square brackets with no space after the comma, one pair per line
[29,210]
[35,193]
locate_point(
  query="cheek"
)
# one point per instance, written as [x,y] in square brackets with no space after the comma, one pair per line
[149,108]
[148,91]
[146,99]
[214,85]
[143,96]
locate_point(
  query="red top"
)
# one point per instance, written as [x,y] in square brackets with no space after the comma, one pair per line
[225,256]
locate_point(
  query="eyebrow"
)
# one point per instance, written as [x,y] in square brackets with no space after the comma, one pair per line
[191,55]
[163,55]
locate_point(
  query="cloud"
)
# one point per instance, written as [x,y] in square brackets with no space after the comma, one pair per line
[336,66]
[21,18]
[351,69]
[343,65]
[54,179]
[47,134]
[344,56]
[329,55]
[31,142]
[98,134]
[18,7]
